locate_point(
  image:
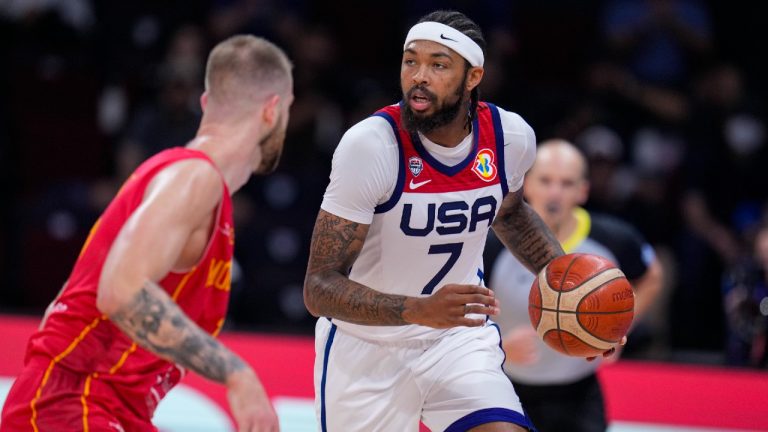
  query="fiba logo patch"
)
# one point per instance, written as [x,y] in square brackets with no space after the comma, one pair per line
[484,166]
[416,165]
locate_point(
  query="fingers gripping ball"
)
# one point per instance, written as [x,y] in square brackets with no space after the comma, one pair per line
[581,305]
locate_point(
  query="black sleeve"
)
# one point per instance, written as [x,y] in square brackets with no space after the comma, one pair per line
[625,242]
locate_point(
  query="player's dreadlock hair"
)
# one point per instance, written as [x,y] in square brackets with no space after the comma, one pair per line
[462,23]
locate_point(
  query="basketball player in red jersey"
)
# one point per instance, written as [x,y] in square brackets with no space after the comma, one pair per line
[149,290]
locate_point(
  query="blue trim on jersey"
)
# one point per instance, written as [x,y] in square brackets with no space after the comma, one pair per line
[390,203]
[490,415]
[327,354]
[499,132]
[501,347]
[445,169]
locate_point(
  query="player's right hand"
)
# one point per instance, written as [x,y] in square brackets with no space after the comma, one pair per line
[449,305]
[251,408]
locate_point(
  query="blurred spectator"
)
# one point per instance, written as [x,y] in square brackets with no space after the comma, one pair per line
[659,40]
[77,14]
[228,17]
[612,182]
[173,117]
[745,299]
[651,47]
[637,101]
[724,191]
[49,90]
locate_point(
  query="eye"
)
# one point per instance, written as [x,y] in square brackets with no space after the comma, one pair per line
[439,66]
[409,62]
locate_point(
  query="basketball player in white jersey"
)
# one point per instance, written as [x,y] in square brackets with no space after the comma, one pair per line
[560,392]
[395,270]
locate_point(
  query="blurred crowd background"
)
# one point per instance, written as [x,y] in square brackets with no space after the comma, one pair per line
[667,98]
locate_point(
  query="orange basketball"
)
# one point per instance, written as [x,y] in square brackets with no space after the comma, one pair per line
[581,304]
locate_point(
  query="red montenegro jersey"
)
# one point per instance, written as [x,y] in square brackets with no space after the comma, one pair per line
[77,337]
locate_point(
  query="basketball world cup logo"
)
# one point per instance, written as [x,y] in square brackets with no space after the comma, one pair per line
[484,166]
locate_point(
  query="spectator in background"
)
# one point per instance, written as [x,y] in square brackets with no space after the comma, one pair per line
[77,14]
[639,90]
[721,203]
[562,393]
[745,298]
[658,40]
[174,116]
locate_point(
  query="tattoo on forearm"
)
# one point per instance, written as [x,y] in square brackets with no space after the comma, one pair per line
[527,237]
[336,243]
[158,324]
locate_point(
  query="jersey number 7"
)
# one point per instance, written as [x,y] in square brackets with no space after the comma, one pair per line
[454,250]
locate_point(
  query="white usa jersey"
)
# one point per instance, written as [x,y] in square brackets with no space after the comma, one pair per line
[431,229]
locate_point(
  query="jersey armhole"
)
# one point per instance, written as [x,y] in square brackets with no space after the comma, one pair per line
[498,132]
[190,155]
[392,201]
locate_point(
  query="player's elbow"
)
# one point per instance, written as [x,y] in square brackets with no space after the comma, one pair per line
[310,285]
[106,302]
[109,299]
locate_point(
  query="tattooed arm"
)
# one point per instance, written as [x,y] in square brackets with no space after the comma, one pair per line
[524,233]
[153,241]
[157,323]
[336,243]
[328,291]
[170,230]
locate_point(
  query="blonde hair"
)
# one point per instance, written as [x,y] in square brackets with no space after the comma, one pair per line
[246,69]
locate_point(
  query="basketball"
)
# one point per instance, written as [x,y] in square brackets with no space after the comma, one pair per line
[581,304]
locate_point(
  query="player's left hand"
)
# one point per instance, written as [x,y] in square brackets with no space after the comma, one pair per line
[613,351]
[250,404]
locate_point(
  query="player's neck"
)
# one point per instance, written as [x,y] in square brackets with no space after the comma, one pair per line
[453,133]
[227,149]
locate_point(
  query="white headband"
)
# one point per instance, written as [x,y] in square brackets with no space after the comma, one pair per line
[448,36]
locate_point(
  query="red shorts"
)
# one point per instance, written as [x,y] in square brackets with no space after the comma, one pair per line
[67,401]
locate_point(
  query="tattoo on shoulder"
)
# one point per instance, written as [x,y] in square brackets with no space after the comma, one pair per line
[158,324]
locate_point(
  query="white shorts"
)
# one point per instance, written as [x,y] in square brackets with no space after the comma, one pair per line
[451,384]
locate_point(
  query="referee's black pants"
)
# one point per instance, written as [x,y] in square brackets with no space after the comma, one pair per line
[575,407]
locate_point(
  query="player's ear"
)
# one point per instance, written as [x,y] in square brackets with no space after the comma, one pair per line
[269,111]
[474,76]
[204,100]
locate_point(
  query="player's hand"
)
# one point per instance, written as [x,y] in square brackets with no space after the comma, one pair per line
[251,408]
[520,345]
[448,306]
[612,351]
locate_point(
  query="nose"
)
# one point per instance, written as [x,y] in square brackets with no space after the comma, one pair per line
[554,191]
[420,75]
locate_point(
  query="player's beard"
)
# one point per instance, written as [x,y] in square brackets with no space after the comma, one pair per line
[271,149]
[442,116]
